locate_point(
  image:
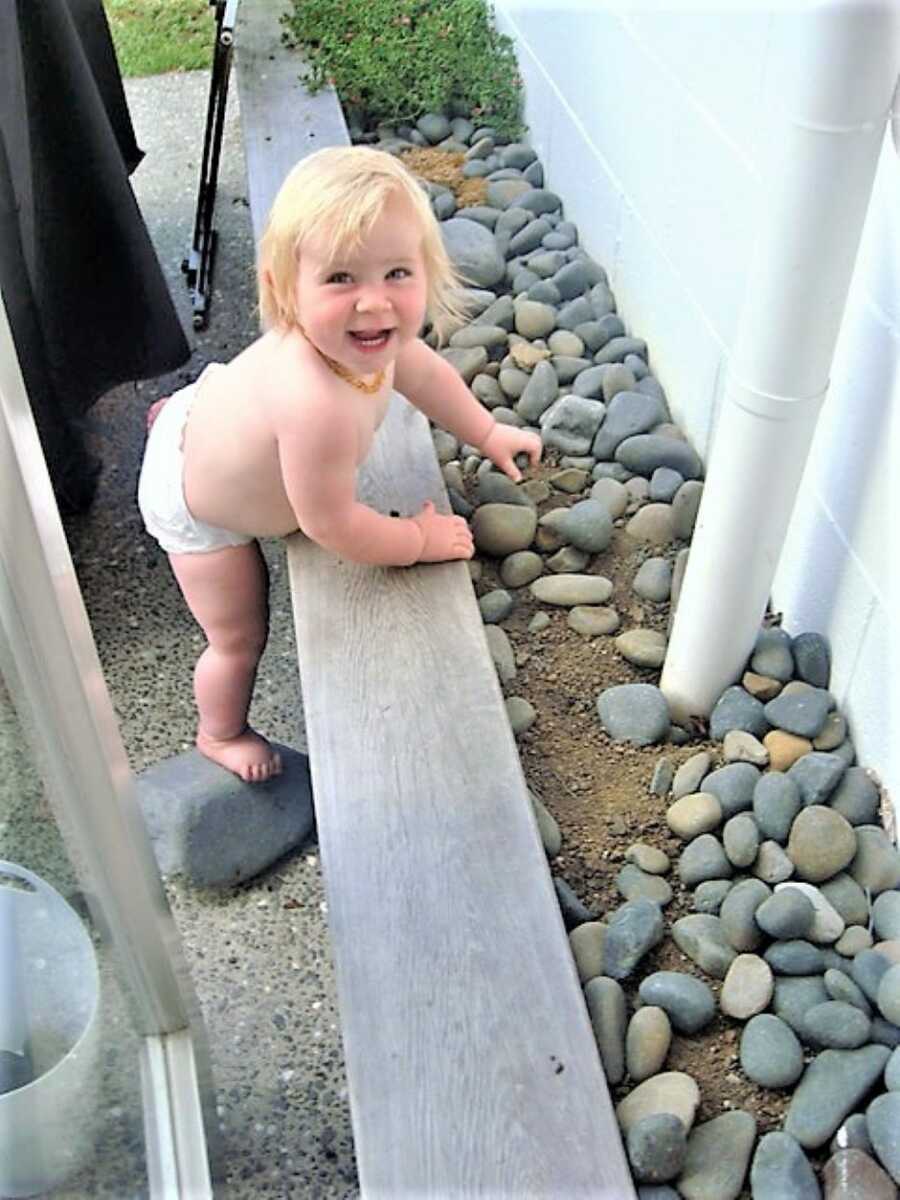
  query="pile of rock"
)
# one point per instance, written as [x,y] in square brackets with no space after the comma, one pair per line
[792,876]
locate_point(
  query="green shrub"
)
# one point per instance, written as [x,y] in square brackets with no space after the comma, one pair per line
[393,60]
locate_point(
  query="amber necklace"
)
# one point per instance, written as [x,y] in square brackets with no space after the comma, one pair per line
[355,381]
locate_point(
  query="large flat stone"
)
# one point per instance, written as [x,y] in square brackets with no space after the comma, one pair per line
[207,824]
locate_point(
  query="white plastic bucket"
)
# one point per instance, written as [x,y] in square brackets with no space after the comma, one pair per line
[49,999]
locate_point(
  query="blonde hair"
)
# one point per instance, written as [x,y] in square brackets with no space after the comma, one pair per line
[339,193]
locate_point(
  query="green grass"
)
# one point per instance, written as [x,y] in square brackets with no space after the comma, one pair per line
[155,36]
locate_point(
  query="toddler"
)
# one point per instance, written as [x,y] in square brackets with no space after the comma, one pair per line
[350,263]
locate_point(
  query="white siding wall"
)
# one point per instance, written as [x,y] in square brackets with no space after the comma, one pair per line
[652,125]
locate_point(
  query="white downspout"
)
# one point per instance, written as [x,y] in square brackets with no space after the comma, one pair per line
[841,63]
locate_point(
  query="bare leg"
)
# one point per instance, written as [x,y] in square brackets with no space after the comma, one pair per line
[155,409]
[227,593]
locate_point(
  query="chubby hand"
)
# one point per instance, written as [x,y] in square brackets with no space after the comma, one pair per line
[445,537]
[504,442]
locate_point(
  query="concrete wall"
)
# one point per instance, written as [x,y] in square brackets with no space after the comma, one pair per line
[652,123]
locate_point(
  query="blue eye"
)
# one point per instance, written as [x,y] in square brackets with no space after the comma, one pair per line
[339,277]
[399,273]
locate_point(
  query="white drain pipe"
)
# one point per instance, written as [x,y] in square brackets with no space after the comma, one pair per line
[841,63]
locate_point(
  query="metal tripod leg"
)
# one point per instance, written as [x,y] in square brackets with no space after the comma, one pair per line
[198,265]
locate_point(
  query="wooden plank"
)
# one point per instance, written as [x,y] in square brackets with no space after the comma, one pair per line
[472,1066]
[281,122]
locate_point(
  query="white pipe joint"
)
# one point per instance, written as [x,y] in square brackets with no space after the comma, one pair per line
[840,65]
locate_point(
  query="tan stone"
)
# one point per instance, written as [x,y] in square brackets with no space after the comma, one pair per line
[527,356]
[672,1092]
[785,748]
[761,686]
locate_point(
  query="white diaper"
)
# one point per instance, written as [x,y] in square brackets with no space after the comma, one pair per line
[161,486]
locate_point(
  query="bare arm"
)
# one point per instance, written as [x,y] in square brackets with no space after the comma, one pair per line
[318,456]
[436,389]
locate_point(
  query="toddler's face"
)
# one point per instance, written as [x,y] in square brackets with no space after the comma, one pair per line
[363,307]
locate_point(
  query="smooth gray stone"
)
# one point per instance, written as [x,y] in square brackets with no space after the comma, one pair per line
[787,915]
[611,470]
[444,205]
[475,168]
[578,277]
[781,1171]
[529,237]
[892,1072]
[570,423]
[634,928]
[802,713]
[740,837]
[594,335]
[462,129]
[481,334]
[876,866]
[508,193]
[496,488]
[841,987]
[664,483]
[852,1134]
[628,415]
[702,938]
[501,312]
[607,1009]
[634,712]
[770,1052]
[737,709]
[495,606]
[856,797]
[710,895]
[540,200]
[644,452]
[575,313]
[733,786]
[844,894]
[776,802]
[534,173]
[633,883]
[685,506]
[574,913]
[885,1033]
[794,996]
[868,969]
[691,773]
[817,775]
[657,1193]
[886,915]
[501,652]
[617,378]
[797,957]
[511,221]
[557,240]
[718,1155]
[653,580]
[518,155]
[687,1001]
[837,1025]
[616,349]
[487,390]
[772,655]
[546,263]
[663,774]
[812,658]
[502,529]
[473,252]
[888,998]
[831,1087]
[434,127]
[588,526]
[738,914]
[702,859]
[603,305]
[207,824]
[847,752]
[590,383]
[467,362]
[568,368]
[540,392]
[656,1146]
[637,365]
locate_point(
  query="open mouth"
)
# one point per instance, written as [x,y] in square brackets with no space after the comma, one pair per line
[371,339]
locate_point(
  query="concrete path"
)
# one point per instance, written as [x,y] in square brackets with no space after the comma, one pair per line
[259,955]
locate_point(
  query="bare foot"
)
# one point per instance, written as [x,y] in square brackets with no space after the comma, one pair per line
[154,410]
[247,755]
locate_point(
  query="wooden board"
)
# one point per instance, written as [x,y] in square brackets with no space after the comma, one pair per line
[472,1066]
[281,123]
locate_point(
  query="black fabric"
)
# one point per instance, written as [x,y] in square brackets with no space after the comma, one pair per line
[87,301]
